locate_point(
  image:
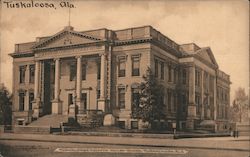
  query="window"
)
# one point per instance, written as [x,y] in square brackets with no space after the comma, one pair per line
[31,98]
[32,73]
[122,67]
[72,72]
[70,99]
[21,101]
[84,71]
[22,70]
[84,100]
[121,98]
[169,101]
[162,70]
[175,75]
[184,102]
[98,71]
[52,92]
[135,97]
[198,103]
[197,78]
[52,73]
[135,66]
[211,83]
[134,124]
[156,68]
[205,82]
[121,124]
[175,102]
[169,73]
[184,76]
[20,122]
[98,94]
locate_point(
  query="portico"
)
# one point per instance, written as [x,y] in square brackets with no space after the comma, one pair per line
[62,58]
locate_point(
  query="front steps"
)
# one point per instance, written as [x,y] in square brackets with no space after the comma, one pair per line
[43,125]
[52,120]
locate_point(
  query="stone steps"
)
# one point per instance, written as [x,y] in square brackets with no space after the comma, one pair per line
[50,121]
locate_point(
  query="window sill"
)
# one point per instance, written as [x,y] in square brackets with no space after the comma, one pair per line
[136,76]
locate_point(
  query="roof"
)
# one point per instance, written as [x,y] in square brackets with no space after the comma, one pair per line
[117,37]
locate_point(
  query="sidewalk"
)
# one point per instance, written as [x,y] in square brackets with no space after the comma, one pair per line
[221,143]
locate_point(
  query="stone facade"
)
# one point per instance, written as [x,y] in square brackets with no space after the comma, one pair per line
[73,73]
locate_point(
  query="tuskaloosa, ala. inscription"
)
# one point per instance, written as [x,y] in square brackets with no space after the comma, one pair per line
[37,4]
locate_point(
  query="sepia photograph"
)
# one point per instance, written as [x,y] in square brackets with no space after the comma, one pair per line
[121,78]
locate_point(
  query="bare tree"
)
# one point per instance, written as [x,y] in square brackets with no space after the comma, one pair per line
[239,109]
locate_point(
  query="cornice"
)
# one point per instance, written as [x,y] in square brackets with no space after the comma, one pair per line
[167,48]
[19,55]
[98,43]
[131,41]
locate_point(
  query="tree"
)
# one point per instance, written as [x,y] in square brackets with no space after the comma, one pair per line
[5,106]
[151,105]
[239,109]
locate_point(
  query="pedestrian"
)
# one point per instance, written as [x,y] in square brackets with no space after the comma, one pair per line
[237,133]
[230,131]
[234,133]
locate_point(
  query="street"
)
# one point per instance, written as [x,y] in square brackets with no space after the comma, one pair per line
[18,148]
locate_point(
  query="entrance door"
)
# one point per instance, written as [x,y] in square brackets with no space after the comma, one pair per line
[48,87]
[84,101]
[70,100]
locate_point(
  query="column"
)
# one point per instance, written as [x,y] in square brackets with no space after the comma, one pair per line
[57,79]
[192,112]
[56,104]
[215,97]
[79,84]
[37,111]
[26,101]
[202,94]
[102,100]
[103,71]
[36,82]
[208,109]
[27,74]
[191,104]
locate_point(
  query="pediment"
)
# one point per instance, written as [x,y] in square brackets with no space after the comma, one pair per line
[206,54]
[65,38]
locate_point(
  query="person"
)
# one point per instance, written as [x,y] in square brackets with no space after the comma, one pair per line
[234,133]
[230,131]
[237,133]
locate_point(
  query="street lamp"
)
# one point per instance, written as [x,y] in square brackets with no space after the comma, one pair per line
[90,88]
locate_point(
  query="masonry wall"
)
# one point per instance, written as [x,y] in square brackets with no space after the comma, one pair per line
[26,86]
[143,50]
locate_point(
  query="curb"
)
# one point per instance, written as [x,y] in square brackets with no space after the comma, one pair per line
[123,144]
[138,135]
[165,136]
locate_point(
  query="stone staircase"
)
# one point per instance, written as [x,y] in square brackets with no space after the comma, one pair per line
[52,121]
[43,125]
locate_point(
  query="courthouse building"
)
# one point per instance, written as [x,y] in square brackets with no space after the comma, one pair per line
[72,73]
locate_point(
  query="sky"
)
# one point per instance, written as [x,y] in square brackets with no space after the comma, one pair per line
[221,25]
